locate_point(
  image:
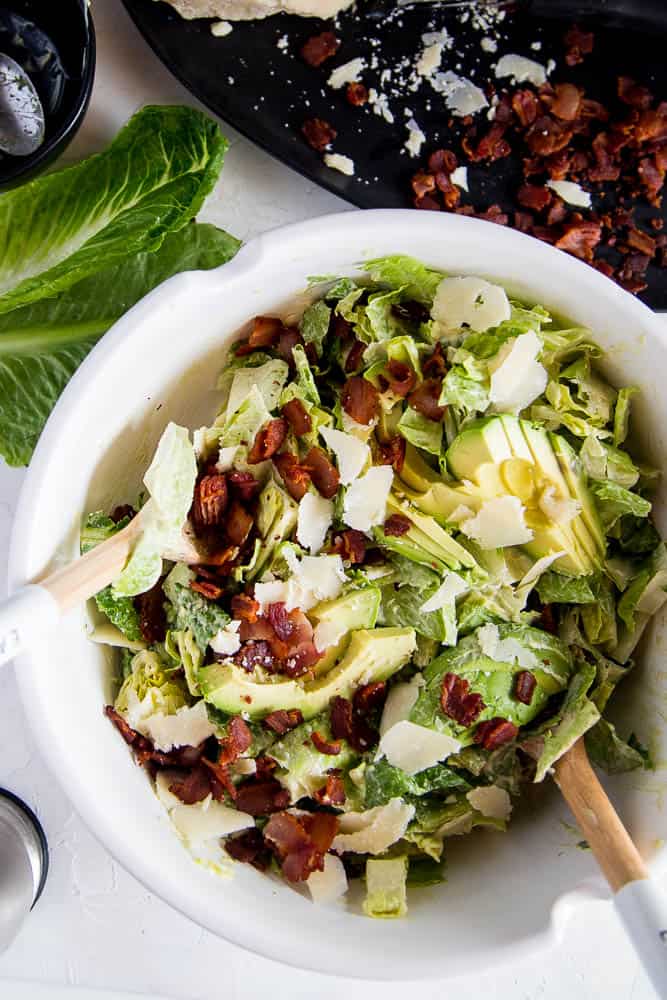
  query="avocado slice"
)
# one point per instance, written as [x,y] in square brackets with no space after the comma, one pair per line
[576,481]
[416,473]
[428,535]
[356,609]
[441,500]
[371,656]
[484,442]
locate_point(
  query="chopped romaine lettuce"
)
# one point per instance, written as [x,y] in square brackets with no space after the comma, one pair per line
[610,752]
[577,715]
[302,769]
[420,431]
[554,588]
[314,324]
[385,887]
[417,281]
[120,611]
[384,782]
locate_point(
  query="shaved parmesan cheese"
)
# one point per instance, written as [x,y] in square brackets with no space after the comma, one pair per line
[328,634]
[445,594]
[460,177]
[226,641]
[244,767]
[278,592]
[163,779]
[314,519]
[504,650]
[415,139]
[208,820]
[352,426]
[400,702]
[540,567]
[488,638]
[429,60]
[461,95]
[343,164]
[373,831]
[561,510]
[521,69]
[226,458]
[321,577]
[460,513]
[469,302]
[380,105]
[491,801]
[500,522]
[329,885]
[188,727]
[414,748]
[365,503]
[349,72]
[351,453]
[570,192]
[517,378]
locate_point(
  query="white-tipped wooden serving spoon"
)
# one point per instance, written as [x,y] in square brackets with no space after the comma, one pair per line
[640,903]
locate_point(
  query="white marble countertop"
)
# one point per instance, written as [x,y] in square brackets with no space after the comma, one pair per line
[95,927]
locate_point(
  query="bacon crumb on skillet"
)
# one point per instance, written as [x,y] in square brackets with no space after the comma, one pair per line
[356,94]
[318,133]
[318,48]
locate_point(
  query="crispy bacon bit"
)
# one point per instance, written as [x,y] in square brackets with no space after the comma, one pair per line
[348,724]
[567,102]
[220,780]
[397,525]
[332,793]
[261,797]
[442,160]
[360,399]
[265,333]
[301,659]
[211,591]
[548,620]
[524,687]
[435,366]
[319,48]
[370,697]
[523,221]
[350,545]
[427,203]
[131,736]
[121,512]
[580,238]
[557,212]
[641,242]
[244,607]
[318,133]
[282,720]
[267,441]
[295,476]
[546,136]
[458,702]
[525,106]
[152,619]
[355,356]
[652,178]
[392,452]
[194,787]
[423,184]
[280,621]
[243,484]
[451,194]
[329,747]
[578,44]
[401,377]
[356,94]
[255,654]
[249,847]
[300,843]
[630,92]
[236,742]
[210,501]
[184,757]
[425,398]
[287,341]
[324,474]
[239,524]
[492,146]
[495,733]
[534,197]
[297,417]
[494,213]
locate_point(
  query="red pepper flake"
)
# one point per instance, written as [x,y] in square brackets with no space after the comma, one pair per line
[210,501]
[324,474]
[318,133]
[283,720]
[319,48]
[356,94]
[332,793]
[397,525]
[458,702]
[495,733]
[360,399]
[329,747]
[297,417]
[524,687]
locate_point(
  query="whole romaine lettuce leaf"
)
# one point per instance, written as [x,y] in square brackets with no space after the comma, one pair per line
[64,226]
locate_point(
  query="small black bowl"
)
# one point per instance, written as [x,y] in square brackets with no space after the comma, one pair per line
[54,41]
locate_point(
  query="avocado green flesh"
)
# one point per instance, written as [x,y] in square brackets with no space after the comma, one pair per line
[427,533]
[568,463]
[484,442]
[371,656]
[415,473]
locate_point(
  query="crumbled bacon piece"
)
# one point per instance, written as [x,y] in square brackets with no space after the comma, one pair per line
[280,621]
[630,92]
[121,512]
[193,787]
[329,747]
[546,136]
[301,659]
[267,441]
[631,274]
[641,241]
[392,452]
[324,474]
[370,697]
[495,733]
[152,618]
[492,146]
[236,742]
[287,341]
[264,333]
[131,736]
[580,238]
[356,94]
[360,399]
[220,780]
[578,44]
[524,686]
[332,793]
[282,720]
[319,133]
[567,102]
[557,212]
[211,591]
[442,160]
[249,847]
[458,702]
[295,476]
[523,221]
[451,193]
[298,417]
[494,213]
[427,203]
[401,377]
[350,545]
[255,654]
[318,48]
[397,525]
[525,106]
[244,608]
[260,797]
[652,178]
[435,366]
[210,501]
[534,197]
[243,484]
[300,843]
[548,620]
[238,524]
[348,724]
[425,398]
[355,356]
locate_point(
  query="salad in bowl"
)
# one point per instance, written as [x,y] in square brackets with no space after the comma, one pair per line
[427,558]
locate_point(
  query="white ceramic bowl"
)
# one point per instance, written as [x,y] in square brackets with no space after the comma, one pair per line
[505,895]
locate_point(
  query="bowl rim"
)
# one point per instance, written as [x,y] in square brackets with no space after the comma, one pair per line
[28,167]
[253,258]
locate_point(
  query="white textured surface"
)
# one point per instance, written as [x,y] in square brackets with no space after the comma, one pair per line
[96,926]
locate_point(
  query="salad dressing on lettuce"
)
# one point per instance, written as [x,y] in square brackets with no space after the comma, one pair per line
[428,560]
